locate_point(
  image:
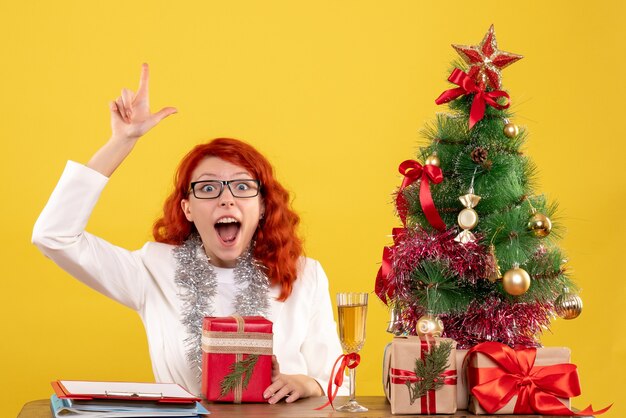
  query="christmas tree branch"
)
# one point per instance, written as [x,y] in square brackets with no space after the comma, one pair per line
[436,288]
[429,371]
[240,371]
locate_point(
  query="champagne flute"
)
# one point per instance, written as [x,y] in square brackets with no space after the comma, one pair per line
[352,309]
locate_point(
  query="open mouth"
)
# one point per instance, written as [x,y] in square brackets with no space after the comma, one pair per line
[227,229]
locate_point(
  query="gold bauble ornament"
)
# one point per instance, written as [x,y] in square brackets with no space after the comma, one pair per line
[516,281]
[432,160]
[568,305]
[430,325]
[539,224]
[511,130]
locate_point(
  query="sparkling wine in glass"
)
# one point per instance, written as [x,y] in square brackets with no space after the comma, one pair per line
[352,310]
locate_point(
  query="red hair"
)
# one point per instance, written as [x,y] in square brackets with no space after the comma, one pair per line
[278,246]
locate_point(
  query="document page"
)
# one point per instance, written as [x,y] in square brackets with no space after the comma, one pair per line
[166,390]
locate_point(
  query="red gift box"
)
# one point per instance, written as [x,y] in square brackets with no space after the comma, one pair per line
[230,340]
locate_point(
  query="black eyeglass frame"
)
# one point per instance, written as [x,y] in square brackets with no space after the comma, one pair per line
[223,183]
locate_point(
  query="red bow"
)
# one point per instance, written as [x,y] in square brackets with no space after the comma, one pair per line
[384,289]
[481,97]
[350,360]
[537,387]
[412,170]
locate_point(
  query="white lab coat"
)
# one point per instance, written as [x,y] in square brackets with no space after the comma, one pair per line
[305,336]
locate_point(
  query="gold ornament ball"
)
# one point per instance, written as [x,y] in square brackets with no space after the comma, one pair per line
[540,225]
[511,130]
[516,281]
[568,305]
[432,160]
[429,325]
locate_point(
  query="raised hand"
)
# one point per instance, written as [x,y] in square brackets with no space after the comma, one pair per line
[130,113]
[130,119]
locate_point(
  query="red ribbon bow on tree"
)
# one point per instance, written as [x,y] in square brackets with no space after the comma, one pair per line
[412,171]
[481,97]
[537,387]
[383,288]
[350,360]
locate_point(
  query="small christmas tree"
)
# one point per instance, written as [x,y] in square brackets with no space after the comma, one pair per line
[476,258]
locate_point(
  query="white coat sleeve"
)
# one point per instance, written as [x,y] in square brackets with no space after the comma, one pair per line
[321,347]
[60,234]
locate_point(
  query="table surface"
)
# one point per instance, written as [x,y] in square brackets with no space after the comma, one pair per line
[305,408]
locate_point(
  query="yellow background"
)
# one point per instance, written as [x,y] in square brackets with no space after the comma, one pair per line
[334,93]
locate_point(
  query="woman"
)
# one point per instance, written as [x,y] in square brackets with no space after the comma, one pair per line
[226,243]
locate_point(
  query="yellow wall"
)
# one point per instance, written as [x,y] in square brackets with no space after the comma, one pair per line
[334,93]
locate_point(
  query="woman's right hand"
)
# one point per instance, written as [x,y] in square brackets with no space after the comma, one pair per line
[130,113]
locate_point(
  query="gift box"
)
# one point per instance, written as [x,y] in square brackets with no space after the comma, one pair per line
[236,358]
[404,379]
[502,380]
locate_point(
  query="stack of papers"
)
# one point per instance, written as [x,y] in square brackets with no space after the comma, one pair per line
[123,399]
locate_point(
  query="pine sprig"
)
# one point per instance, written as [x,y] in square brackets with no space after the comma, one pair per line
[429,371]
[238,371]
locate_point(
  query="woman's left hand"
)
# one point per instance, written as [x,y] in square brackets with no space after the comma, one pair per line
[294,386]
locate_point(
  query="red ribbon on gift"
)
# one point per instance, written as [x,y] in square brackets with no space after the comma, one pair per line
[383,288]
[412,171]
[401,377]
[537,387]
[350,360]
[482,98]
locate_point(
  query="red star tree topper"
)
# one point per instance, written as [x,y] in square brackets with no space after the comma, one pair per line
[486,60]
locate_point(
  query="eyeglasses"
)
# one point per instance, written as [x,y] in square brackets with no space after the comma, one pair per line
[212,189]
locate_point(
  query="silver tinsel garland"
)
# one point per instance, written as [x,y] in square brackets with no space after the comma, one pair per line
[251,299]
[197,279]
